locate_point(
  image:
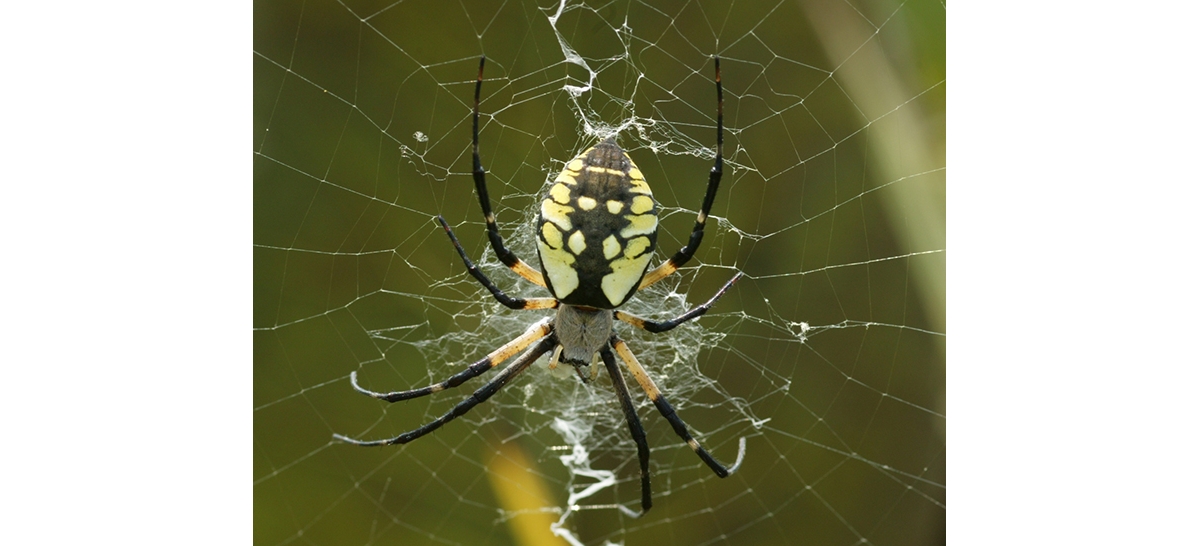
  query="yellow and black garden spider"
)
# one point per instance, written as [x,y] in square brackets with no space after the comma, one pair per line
[596,232]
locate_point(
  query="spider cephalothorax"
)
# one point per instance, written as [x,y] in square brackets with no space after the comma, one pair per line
[597,229]
[582,334]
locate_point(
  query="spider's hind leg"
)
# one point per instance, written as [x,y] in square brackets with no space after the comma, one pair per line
[635,425]
[482,394]
[668,412]
[505,352]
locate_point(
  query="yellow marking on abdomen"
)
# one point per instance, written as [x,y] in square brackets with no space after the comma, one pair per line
[577,243]
[644,224]
[559,214]
[557,262]
[566,177]
[614,207]
[606,170]
[612,247]
[626,272]
[636,247]
[560,193]
[552,235]
[587,203]
[641,203]
[639,186]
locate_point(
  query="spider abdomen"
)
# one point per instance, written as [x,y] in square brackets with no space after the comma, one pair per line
[597,229]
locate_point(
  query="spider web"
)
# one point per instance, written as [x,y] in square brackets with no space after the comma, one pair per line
[828,357]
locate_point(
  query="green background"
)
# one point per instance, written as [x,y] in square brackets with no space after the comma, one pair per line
[833,206]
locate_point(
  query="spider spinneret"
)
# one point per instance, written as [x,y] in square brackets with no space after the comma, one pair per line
[597,229]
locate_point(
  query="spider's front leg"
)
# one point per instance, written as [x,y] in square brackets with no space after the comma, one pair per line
[504,254]
[505,299]
[714,180]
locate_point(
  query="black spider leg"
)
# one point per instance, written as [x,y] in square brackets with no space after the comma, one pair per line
[668,412]
[506,256]
[714,180]
[657,327]
[635,425]
[492,387]
[505,352]
[504,299]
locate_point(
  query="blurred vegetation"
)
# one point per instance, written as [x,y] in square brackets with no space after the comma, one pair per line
[836,193]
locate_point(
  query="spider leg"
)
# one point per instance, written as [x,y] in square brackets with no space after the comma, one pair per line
[668,412]
[505,352]
[506,256]
[505,299]
[635,425]
[492,387]
[656,327]
[714,179]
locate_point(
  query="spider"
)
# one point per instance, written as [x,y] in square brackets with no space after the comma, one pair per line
[597,230]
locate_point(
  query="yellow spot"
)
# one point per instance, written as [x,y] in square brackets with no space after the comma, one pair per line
[552,235]
[587,203]
[566,177]
[612,247]
[561,194]
[557,265]
[577,243]
[638,225]
[614,207]
[576,164]
[639,186]
[625,276]
[637,246]
[559,214]
[641,203]
[635,173]
[614,172]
